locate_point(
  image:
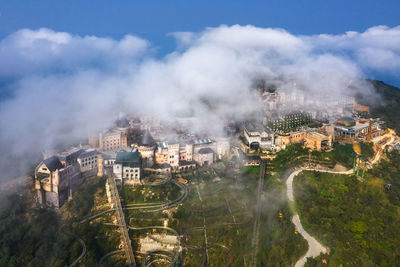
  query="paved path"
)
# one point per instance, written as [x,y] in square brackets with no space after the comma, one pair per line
[108,255]
[82,254]
[314,247]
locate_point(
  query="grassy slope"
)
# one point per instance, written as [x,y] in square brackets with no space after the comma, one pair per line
[40,237]
[278,245]
[357,220]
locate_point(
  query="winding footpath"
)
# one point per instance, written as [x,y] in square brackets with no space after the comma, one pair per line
[314,247]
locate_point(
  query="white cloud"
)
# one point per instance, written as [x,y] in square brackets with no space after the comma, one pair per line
[43,52]
[378,48]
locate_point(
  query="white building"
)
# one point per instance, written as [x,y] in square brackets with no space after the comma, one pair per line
[222,147]
[128,166]
[259,137]
[204,156]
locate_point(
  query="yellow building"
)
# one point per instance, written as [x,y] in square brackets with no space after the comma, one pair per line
[313,140]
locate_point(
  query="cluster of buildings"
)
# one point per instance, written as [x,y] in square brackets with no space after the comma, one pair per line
[344,130]
[296,105]
[125,151]
[348,129]
[265,139]
[318,121]
[180,155]
[179,152]
[134,146]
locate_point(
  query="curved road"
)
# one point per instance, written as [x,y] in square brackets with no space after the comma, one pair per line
[82,254]
[314,247]
[108,255]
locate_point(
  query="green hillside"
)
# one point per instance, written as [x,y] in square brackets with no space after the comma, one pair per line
[388,109]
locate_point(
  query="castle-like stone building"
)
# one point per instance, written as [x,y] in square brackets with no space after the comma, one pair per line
[55,181]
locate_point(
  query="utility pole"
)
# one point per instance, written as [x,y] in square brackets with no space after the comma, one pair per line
[358,166]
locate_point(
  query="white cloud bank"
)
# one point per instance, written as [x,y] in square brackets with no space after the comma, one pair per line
[378,48]
[43,52]
[65,86]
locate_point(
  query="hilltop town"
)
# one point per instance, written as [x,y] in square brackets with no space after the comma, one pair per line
[141,153]
[140,145]
[198,133]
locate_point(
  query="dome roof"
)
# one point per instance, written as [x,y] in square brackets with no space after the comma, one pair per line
[122,123]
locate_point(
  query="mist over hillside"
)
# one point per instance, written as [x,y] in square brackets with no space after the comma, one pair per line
[64,86]
[389,108]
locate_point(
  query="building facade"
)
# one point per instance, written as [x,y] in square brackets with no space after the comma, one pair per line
[128,167]
[204,156]
[310,139]
[290,122]
[55,181]
[113,140]
[167,152]
[87,161]
[258,137]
